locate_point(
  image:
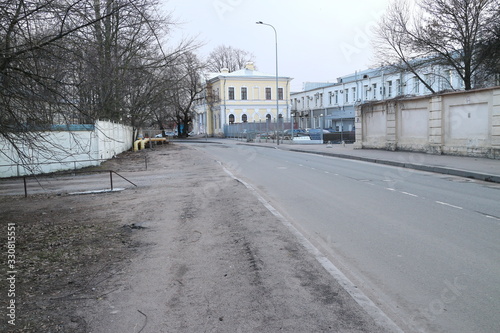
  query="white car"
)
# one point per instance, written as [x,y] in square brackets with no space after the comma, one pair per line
[170,134]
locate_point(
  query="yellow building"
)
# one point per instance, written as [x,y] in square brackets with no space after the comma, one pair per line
[243,96]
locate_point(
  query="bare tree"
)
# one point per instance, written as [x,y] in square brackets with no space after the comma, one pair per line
[186,91]
[437,32]
[35,84]
[74,61]
[228,57]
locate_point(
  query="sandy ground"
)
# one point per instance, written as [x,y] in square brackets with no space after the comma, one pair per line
[189,250]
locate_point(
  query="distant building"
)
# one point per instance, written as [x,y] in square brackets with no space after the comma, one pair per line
[332,105]
[243,96]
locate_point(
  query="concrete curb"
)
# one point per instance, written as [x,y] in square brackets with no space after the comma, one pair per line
[420,167]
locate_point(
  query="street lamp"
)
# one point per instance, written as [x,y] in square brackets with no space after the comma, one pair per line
[277,95]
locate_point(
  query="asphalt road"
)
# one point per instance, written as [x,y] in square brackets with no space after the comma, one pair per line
[424,247]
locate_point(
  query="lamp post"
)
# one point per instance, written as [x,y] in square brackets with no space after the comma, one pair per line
[277,95]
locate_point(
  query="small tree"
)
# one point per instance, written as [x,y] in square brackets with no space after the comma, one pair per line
[438,32]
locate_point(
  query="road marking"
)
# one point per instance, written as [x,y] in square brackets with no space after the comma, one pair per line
[488,215]
[366,303]
[449,205]
[390,189]
[410,194]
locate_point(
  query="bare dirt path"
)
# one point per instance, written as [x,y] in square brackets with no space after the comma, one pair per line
[189,250]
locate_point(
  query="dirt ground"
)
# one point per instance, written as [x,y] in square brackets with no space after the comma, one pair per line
[188,250]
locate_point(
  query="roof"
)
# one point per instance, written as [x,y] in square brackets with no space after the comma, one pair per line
[245,73]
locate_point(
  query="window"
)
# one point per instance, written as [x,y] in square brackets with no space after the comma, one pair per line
[231,118]
[428,80]
[268,93]
[231,93]
[330,97]
[389,88]
[280,93]
[367,96]
[398,87]
[354,94]
[346,95]
[244,95]
[416,85]
[320,99]
[374,87]
[336,97]
[244,118]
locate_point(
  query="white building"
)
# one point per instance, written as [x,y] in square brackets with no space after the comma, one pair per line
[332,105]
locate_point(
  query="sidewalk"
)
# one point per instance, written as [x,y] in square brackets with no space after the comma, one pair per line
[469,167]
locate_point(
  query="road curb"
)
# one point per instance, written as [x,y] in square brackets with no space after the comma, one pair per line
[420,167]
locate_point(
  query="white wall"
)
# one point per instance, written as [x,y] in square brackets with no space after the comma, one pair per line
[65,150]
[460,123]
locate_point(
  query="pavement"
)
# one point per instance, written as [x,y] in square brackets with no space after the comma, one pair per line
[470,167]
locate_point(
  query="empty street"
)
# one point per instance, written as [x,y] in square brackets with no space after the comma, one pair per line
[423,247]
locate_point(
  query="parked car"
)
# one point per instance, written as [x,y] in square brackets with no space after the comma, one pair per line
[169,134]
[296,132]
[316,130]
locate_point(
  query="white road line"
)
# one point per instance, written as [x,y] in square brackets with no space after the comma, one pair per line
[410,194]
[367,304]
[449,205]
[390,189]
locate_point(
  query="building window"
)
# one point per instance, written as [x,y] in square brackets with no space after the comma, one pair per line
[354,94]
[367,96]
[268,94]
[330,97]
[231,118]
[231,93]
[280,94]
[320,99]
[346,95]
[336,97]
[398,87]
[244,118]
[428,80]
[416,85]
[374,87]
[389,88]
[244,95]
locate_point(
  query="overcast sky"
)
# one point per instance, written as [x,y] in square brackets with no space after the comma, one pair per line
[318,40]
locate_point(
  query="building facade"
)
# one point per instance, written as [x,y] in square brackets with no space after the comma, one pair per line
[243,96]
[332,105]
